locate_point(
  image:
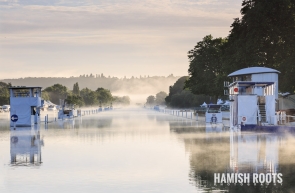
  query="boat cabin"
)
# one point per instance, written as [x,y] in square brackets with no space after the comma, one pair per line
[25,104]
[213,113]
[253,95]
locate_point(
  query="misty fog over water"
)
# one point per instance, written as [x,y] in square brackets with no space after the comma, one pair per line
[138,150]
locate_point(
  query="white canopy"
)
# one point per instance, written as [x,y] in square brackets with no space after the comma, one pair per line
[204,105]
[219,101]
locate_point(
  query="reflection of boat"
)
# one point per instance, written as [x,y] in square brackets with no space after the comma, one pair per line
[214,127]
[25,145]
[67,123]
[254,152]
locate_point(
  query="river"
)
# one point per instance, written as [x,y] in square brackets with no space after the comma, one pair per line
[140,150]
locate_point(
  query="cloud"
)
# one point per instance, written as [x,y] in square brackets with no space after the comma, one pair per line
[118,33]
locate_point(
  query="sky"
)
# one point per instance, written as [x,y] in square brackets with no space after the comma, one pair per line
[63,38]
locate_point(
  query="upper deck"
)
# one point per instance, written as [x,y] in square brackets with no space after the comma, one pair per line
[23,91]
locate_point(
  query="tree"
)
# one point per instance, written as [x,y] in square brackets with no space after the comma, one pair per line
[89,97]
[160,98]
[56,92]
[104,96]
[205,67]
[75,100]
[177,87]
[45,95]
[264,36]
[76,89]
[125,100]
[150,100]
[4,93]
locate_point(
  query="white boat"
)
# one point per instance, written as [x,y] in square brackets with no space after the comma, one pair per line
[253,94]
[213,114]
[51,108]
[67,111]
[6,108]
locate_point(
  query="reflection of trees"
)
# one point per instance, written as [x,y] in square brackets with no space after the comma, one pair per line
[211,153]
[207,158]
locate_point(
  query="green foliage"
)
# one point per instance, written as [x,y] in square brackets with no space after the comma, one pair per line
[150,100]
[86,96]
[124,100]
[176,88]
[205,67]
[263,36]
[89,97]
[160,98]
[4,93]
[104,96]
[75,100]
[45,95]
[76,89]
[183,98]
[56,92]
[186,99]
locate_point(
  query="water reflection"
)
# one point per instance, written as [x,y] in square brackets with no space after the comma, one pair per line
[213,149]
[141,151]
[25,146]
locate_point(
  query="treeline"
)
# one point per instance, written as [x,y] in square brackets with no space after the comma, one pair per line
[158,100]
[133,85]
[263,36]
[83,97]
[180,97]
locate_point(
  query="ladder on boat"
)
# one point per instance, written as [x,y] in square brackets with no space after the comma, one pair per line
[262,113]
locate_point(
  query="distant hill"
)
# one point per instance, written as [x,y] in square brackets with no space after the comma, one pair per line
[142,85]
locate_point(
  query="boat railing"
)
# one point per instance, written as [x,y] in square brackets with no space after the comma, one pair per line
[280,119]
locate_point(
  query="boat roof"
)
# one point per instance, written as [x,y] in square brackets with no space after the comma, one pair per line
[24,87]
[253,70]
[250,83]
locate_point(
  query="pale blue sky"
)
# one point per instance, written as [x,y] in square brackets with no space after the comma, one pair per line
[114,37]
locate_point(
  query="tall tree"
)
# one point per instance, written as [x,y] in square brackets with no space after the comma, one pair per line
[89,97]
[76,89]
[264,36]
[205,67]
[56,92]
[150,100]
[177,87]
[104,96]
[160,98]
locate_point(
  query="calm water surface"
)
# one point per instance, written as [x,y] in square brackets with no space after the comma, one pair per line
[137,150]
